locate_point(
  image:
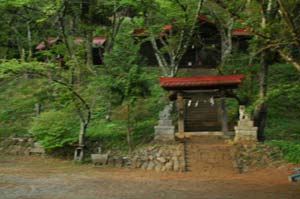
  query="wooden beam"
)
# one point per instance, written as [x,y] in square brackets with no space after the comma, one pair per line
[224,115]
[180,114]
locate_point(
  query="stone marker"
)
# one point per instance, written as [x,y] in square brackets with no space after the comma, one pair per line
[99,159]
[245,130]
[37,149]
[164,131]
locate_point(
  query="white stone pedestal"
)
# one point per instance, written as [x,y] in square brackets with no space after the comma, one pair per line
[164,131]
[245,130]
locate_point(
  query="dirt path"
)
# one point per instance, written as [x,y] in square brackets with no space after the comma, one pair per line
[36,178]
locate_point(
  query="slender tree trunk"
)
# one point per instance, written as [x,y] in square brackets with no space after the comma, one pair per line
[260,114]
[37,109]
[79,151]
[89,49]
[83,126]
[129,130]
[170,63]
[29,42]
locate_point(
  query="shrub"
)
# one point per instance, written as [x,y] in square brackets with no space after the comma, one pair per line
[109,134]
[55,129]
[291,150]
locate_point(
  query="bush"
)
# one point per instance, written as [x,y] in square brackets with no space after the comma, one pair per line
[55,129]
[109,134]
[291,150]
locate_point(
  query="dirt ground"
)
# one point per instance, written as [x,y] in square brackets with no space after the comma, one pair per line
[44,178]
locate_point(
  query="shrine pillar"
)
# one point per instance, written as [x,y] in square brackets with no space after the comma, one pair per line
[180,105]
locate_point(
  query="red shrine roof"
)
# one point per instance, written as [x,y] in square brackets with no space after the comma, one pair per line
[241,32]
[201,82]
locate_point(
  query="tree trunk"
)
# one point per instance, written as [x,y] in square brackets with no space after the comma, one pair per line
[89,49]
[29,42]
[260,114]
[129,129]
[37,109]
[79,151]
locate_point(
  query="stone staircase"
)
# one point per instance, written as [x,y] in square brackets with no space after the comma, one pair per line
[208,155]
[201,115]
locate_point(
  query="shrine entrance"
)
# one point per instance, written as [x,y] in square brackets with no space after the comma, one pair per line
[201,112]
[201,102]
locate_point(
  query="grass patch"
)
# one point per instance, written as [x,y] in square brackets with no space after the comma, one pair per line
[290,149]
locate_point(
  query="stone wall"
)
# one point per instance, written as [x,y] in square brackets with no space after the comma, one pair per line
[20,146]
[16,145]
[255,155]
[160,157]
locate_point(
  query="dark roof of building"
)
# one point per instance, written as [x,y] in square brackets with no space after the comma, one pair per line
[201,82]
[167,27]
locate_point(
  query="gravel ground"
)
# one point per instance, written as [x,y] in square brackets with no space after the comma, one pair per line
[38,178]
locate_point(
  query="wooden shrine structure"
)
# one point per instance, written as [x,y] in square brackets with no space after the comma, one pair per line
[201,101]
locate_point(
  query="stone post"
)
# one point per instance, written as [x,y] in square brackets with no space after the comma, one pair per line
[164,131]
[245,130]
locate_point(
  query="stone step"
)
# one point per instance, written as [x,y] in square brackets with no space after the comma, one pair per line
[205,128]
[209,154]
[201,118]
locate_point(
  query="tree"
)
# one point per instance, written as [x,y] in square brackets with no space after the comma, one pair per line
[50,72]
[273,26]
[126,78]
[280,33]
[182,18]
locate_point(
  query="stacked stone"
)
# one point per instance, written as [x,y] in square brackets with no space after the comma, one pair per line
[245,130]
[37,149]
[255,155]
[164,131]
[16,145]
[160,158]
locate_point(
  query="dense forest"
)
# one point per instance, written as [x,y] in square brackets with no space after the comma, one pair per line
[75,72]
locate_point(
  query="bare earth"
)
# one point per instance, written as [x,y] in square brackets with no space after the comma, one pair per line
[38,178]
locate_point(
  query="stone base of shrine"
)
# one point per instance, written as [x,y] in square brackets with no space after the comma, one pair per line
[204,133]
[164,133]
[164,137]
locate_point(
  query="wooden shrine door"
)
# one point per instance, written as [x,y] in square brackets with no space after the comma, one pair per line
[202,113]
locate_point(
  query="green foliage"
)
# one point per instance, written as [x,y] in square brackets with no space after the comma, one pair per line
[13,67]
[144,115]
[283,103]
[291,150]
[17,105]
[124,82]
[109,134]
[238,64]
[55,129]
[125,76]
